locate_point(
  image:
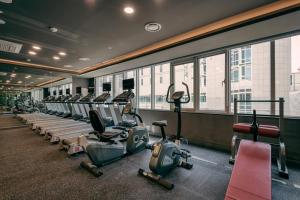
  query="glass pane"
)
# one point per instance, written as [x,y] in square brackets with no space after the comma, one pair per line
[250,77]
[118,84]
[145,87]
[212,88]
[185,73]
[162,82]
[287,74]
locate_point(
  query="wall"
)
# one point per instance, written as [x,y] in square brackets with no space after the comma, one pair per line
[215,130]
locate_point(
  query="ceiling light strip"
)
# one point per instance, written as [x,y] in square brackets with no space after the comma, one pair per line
[254,14]
[37,66]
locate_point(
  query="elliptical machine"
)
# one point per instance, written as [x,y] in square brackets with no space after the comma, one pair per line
[166,154]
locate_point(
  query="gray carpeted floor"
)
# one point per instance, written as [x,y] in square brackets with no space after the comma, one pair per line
[31,168]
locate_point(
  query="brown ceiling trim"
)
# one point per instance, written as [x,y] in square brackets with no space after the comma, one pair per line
[50,81]
[37,66]
[215,27]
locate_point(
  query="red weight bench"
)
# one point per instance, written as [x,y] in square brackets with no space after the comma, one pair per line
[268,131]
[251,175]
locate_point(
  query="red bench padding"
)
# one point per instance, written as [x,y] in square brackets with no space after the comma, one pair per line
[251,174]
[263,130]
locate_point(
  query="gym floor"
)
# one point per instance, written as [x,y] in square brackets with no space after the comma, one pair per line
[31,168]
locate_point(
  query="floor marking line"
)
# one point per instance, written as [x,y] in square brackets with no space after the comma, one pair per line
[296,186]
[204,160]
[279,181]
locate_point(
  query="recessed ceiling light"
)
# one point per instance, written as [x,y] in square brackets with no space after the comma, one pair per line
[13,75]
[19,82]
[29,76]
[36,47]
[68,66]
[109,48]
[84,59]
[128,10]
[152,27]
[1,12]
[2,21]
[28,60]
[7,81]
[56,58]
[53,29]
[62,53]
[41,78]
[32,53]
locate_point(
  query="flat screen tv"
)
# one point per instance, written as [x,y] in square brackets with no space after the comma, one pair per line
[128,84]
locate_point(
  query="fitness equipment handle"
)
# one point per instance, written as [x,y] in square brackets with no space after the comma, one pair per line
[187,90]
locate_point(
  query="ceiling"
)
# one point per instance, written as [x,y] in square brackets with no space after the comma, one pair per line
[97,29]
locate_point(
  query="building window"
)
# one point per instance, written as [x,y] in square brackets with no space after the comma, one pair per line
[118,89]
[250,77]
[185,73]
[287,74]
[161,86]
[145,88]
[212,77]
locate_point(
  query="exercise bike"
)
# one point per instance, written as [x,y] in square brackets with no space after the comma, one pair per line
[167,154]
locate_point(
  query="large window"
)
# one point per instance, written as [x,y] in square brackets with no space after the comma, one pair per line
[287,73]
[145,87]
[185,73]
[118,84]
[212,79]
[250,77]
[161,83]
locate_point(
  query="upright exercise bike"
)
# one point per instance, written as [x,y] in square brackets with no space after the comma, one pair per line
[167,154]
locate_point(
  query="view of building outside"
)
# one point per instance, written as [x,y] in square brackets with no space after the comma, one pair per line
[212,83]
[145,87]
[118,84]
[185,73]
[162,82]
[251,77]
[287,73]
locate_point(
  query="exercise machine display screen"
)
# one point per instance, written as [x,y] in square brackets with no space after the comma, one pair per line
[60,92]
[128,84]
[68,91]
[54,93]
[91,90]
[106,87]
[78,90]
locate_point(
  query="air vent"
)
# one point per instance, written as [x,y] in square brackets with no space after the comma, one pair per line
[10,47]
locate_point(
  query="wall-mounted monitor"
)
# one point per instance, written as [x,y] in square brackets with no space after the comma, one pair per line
[128,84]
[106,87]
[91,90]
[78,90]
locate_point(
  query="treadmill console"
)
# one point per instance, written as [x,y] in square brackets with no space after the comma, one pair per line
[86,99]
[124,97]
[102,98]
[74,98]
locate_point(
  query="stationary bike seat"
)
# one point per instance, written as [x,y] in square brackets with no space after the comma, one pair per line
[160,123]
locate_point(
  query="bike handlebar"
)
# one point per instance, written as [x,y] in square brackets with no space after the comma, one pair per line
[187,90]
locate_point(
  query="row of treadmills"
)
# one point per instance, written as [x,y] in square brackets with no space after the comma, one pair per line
[67,118]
